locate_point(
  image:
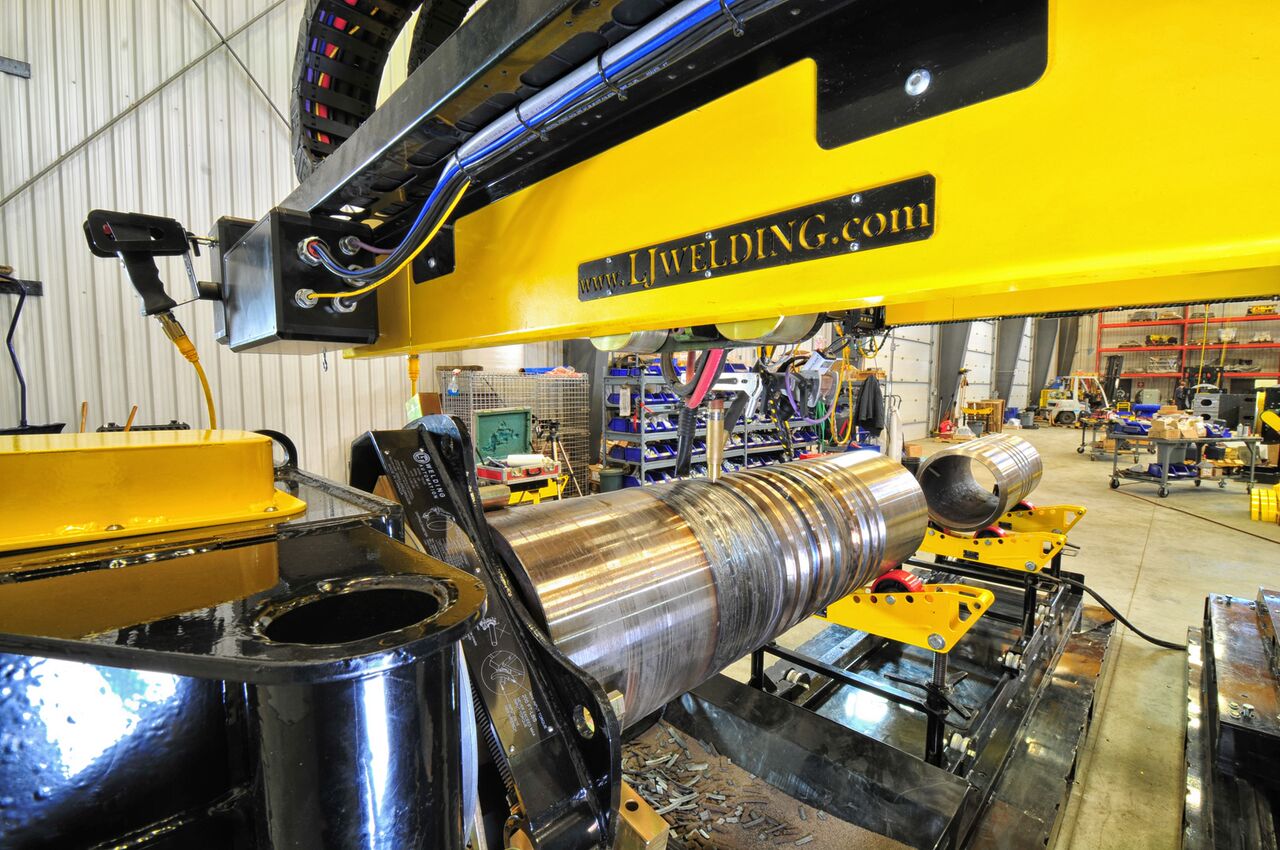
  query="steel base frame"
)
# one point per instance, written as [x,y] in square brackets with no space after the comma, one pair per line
[1232,796]
[1027,672]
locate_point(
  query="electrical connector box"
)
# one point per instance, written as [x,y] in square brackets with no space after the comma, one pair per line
[262,274]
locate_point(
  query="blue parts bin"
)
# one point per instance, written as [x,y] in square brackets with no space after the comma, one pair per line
[1130,427]
[1176,470]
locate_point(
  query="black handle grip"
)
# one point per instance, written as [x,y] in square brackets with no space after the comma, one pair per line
[145,278]
[137,240]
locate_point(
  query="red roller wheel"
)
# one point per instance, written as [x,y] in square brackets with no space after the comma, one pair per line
[898,581]
[1024,506]
[991,531]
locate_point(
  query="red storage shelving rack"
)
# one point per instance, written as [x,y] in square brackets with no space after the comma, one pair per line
[1114,328]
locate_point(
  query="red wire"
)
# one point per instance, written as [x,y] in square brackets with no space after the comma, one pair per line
[324,80]
[712,365]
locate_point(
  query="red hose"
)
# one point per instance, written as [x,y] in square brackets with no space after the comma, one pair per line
[710,374]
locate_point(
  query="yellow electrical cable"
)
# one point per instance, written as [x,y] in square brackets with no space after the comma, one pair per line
[847,436]
[208,394]
[178,336]
[415,371]
[315,296]
[835,396]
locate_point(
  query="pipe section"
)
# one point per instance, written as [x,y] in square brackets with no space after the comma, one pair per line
[653,590]
[373,761]
[957,500]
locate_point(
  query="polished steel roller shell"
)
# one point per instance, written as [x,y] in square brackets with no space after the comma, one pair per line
[653,590]
[957,501]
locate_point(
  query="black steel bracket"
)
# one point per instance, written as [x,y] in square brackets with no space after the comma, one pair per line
[551,729]
[34,288]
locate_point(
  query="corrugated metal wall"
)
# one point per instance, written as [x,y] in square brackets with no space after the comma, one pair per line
[980,360]
[909,372]
[172,107]
[1018,396]
[910,365]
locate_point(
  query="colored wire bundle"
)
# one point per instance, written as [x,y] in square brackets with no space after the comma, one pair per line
[394,260]
[681,29]
[329,51]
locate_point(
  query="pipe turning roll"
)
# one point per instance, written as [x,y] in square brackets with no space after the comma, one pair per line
[653,590]
[957,500]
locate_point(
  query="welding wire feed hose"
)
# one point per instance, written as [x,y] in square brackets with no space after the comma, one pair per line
[957,501]
[673,34]
[653,590]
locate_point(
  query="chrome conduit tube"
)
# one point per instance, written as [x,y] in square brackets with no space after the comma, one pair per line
[648,51]
[653,590]
[957,500]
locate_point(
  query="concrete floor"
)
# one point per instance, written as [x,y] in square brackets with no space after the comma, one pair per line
[1155,560]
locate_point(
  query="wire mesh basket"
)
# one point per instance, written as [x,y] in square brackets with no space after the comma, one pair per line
[1162,363]
[562,399]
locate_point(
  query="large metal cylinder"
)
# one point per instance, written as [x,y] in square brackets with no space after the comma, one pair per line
[958,501]
[652,590]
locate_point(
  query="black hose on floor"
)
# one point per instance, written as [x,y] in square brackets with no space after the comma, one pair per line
[1163,644]
[1111,609]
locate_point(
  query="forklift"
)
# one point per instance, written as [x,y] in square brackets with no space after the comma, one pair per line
[1073,397]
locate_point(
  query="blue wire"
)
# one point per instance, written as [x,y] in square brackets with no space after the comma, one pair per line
[586,86]
[565,100]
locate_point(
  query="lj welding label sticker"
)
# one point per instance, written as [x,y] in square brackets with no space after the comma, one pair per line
[859,221]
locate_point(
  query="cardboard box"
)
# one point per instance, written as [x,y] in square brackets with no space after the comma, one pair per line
[422,404]
[1168,410]
[995,419]
[913,450]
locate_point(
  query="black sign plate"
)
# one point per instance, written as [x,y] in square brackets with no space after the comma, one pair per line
[859,221]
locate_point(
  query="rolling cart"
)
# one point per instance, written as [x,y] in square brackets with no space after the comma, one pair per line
[1169,449]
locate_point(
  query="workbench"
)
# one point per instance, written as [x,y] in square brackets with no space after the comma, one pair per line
[1092,429]
[1166,450]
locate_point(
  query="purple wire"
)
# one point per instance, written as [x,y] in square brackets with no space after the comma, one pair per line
[786,384]
[372,249]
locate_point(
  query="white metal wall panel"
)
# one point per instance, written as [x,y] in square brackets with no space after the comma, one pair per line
[980,360]
[909,372]
[267,46]
[90,61]
[141,106]
[227,16]
[1086,357]
[1022,372]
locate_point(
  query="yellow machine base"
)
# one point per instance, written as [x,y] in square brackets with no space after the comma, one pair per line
[63,489]
[935,618]
[1054,519]
[639,826]
[1086,190]
[1024,552]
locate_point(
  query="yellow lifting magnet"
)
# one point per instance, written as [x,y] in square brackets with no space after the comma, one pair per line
[63,489]
[933,618]
[1023,551]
